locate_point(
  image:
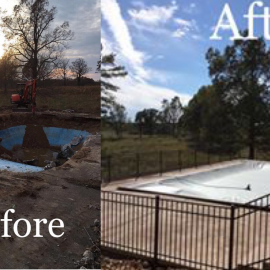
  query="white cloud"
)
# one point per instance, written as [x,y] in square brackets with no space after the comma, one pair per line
[136,91]
[154,15]
[183,23]
[186,27]
[160,57]
[112,14]
[179,33]
[190,9]
[157,20]
[137,96]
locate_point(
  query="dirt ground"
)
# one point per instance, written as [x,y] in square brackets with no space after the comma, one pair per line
[70,192]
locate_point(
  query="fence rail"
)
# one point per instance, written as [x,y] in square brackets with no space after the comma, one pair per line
[187,233]
[129,165]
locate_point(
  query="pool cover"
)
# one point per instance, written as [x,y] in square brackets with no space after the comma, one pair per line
[242,183]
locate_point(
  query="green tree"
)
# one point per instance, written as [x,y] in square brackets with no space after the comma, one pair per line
[117,118]
[208,123]
[241,75]
[171,113]
[109,71]
[147,118]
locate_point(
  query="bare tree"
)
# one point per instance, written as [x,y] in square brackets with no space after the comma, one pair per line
[7,69]
[34,43]
[47,71]
[79,67]
[62,70]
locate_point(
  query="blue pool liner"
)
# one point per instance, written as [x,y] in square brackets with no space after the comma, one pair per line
[14,136]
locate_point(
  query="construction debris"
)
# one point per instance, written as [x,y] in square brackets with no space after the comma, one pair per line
[76,140]
[50,165]
[91,256]
[33,162]
[66,150]
[68,111]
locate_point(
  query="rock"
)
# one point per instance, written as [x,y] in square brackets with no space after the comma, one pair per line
[96,223]
[55,155]
[145,265]
[76,140]
[50,165]
[33,162]
[53,164]
[89,255]
[66,151]
[68,111]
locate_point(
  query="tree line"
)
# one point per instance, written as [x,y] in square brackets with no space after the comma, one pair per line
[34,49]
[232,113]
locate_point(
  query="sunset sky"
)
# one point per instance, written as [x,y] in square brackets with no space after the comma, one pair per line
[84,19]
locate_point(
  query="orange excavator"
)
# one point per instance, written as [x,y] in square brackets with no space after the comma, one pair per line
[25,100]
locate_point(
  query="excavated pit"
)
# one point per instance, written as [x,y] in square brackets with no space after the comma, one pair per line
[29,147]
[69,192]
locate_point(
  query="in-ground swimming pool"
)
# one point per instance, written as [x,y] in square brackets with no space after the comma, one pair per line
[33,142]
[241,182]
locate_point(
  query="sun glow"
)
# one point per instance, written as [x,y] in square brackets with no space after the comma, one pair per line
[8,7]
[2,42]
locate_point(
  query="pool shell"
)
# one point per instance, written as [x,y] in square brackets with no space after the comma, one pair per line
[14,136]
[241,182]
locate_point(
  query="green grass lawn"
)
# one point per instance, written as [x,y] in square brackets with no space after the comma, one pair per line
[133,144]
[131,156]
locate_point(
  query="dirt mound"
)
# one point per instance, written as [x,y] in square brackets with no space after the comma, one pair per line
[5,152]
[35,137]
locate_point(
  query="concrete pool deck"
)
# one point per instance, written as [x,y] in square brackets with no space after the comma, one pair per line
[128,218]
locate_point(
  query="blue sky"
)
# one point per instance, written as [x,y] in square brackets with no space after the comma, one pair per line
[163,44]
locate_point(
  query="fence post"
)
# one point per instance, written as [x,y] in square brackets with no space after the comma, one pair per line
[180,160]
[232,220]
[109,168]
[195,159]
[137,165]
[157,202]
[208,157]
[239,154]
[160,163]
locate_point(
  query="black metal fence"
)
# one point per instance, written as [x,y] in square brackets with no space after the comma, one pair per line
[129,165]
[187,232]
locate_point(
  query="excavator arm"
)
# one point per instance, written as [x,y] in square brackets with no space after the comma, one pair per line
[30,88]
